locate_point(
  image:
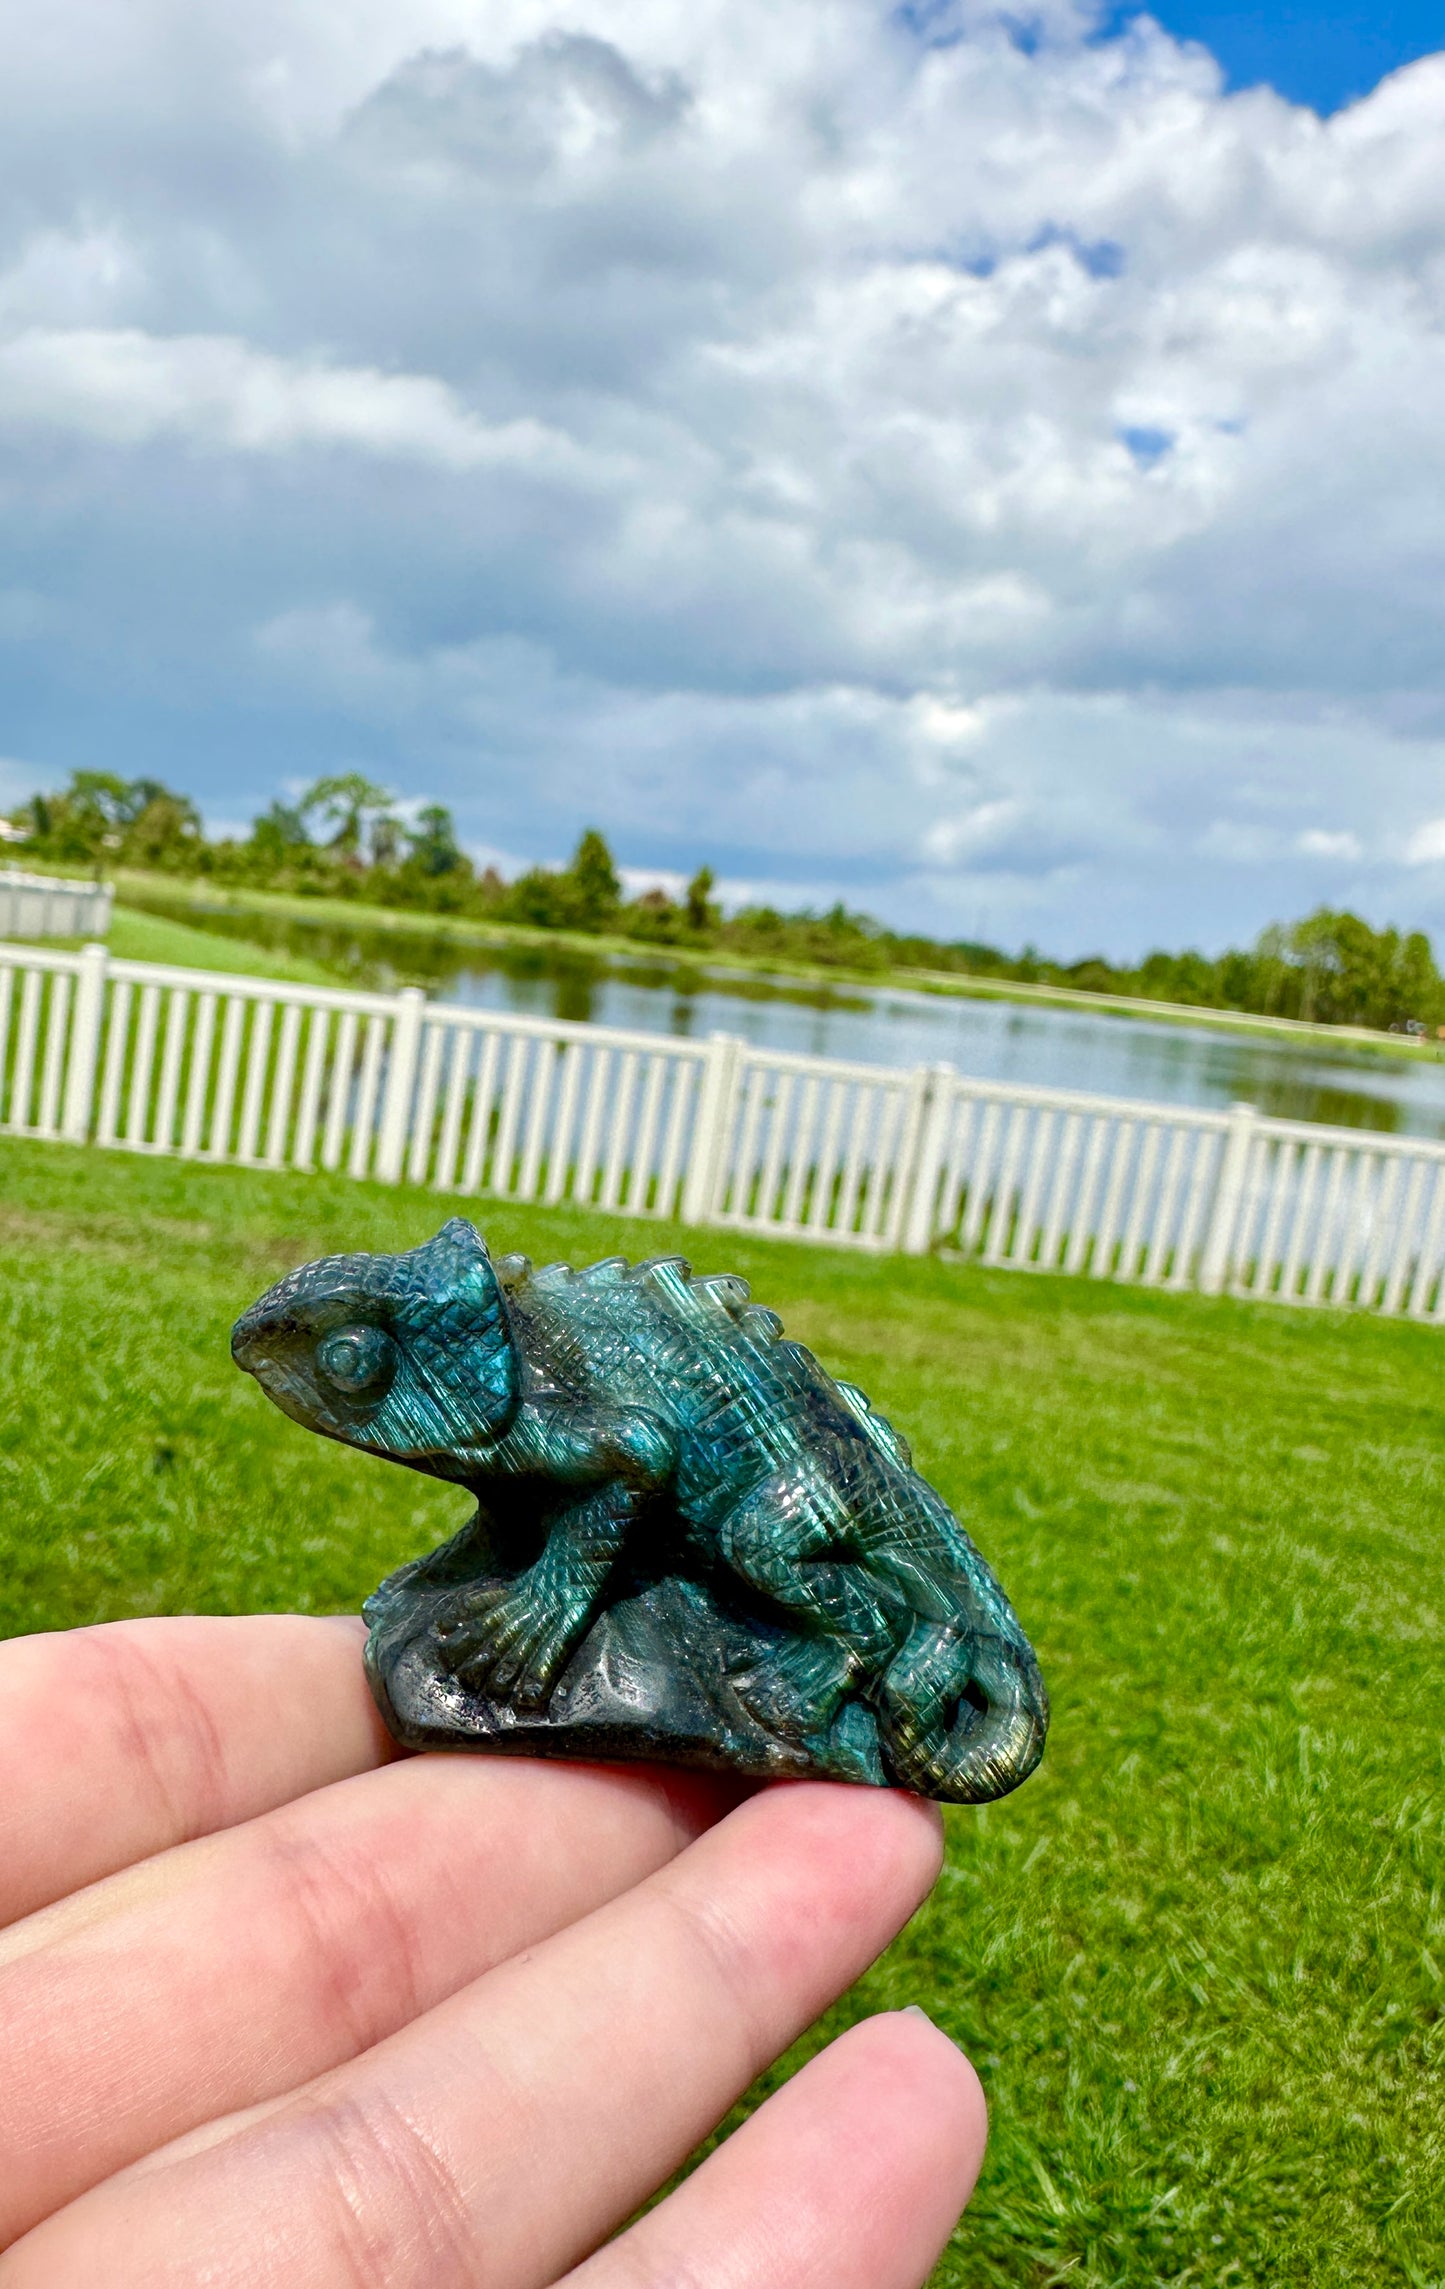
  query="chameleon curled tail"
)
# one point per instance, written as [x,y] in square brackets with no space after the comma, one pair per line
[961,1717]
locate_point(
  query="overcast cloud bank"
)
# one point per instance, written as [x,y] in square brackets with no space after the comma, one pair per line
[1001,483]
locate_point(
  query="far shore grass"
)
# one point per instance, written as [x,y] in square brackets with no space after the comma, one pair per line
[460,929]
[136,936]
[1198,1958]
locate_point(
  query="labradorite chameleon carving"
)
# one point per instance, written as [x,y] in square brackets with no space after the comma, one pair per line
[691,1542]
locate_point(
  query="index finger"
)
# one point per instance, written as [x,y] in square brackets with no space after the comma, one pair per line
[119,1741]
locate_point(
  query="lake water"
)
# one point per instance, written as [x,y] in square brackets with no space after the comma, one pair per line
[995,1040]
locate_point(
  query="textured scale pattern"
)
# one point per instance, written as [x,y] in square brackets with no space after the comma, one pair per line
[690,1542]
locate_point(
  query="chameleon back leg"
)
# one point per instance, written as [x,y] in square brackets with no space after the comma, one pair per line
[788,1539]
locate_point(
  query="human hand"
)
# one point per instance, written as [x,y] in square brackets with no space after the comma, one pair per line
[283,2009]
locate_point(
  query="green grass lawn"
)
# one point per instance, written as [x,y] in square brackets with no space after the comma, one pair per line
[135,936]
[138,937]
[1197,1959]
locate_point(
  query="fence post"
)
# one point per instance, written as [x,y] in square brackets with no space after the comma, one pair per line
[83,1048]
[929,1150]
[1214,1256]
[400,1083]
[711,1130]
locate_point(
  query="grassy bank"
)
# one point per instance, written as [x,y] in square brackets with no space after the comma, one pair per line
[1197,1959]
[136,936]
[139,937]
[347,913]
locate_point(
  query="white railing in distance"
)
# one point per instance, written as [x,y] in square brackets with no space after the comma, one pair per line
[259,1073]
[47,906]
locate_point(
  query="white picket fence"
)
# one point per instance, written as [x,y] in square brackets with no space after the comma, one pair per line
[45,906]
[266,1075]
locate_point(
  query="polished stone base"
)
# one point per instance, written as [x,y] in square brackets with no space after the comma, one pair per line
[660,1676]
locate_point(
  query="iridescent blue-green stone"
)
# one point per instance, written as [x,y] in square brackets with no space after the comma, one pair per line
[691,1542]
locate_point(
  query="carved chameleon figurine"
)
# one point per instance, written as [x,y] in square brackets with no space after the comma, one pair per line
[691,1542]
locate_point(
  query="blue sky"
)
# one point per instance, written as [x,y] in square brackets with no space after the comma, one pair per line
[1310,51]
[998,481]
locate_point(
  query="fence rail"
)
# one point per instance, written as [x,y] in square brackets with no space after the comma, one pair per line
[262,1074]
[45,906]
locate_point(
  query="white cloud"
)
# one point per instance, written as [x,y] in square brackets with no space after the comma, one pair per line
[947,474]
[1322,842]
[638,880]
[1038,808]
[69,277]
[127,388]
[971,833]
[1426,846]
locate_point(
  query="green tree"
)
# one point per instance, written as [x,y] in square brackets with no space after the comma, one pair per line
[541,898]
[593,883]
[91,815]
[100,817]
[346,801]
[163,831]
[1351,974]
[279,834]
[386,839]
[702,915]
[432,843]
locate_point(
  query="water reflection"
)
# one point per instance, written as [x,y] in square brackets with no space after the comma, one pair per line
[1348,1086]
[543,981]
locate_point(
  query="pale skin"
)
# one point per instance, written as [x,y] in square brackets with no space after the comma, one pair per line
[283,2009]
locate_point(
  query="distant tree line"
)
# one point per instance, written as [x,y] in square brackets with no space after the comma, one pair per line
[345,838]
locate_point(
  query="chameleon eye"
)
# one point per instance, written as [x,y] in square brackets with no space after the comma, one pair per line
[359,1361]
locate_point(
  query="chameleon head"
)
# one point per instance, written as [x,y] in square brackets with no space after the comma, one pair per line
[407,1356]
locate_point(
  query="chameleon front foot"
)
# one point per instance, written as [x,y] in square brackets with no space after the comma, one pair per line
[504,1645]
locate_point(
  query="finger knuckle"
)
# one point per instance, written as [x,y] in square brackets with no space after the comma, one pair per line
[394,2212]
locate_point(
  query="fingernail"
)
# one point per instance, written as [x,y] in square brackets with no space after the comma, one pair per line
[916,2011]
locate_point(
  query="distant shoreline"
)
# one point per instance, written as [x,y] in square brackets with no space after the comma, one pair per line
[182,890]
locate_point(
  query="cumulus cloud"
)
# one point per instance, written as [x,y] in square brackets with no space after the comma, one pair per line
[984,479]
[124,387]
[1322,842]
